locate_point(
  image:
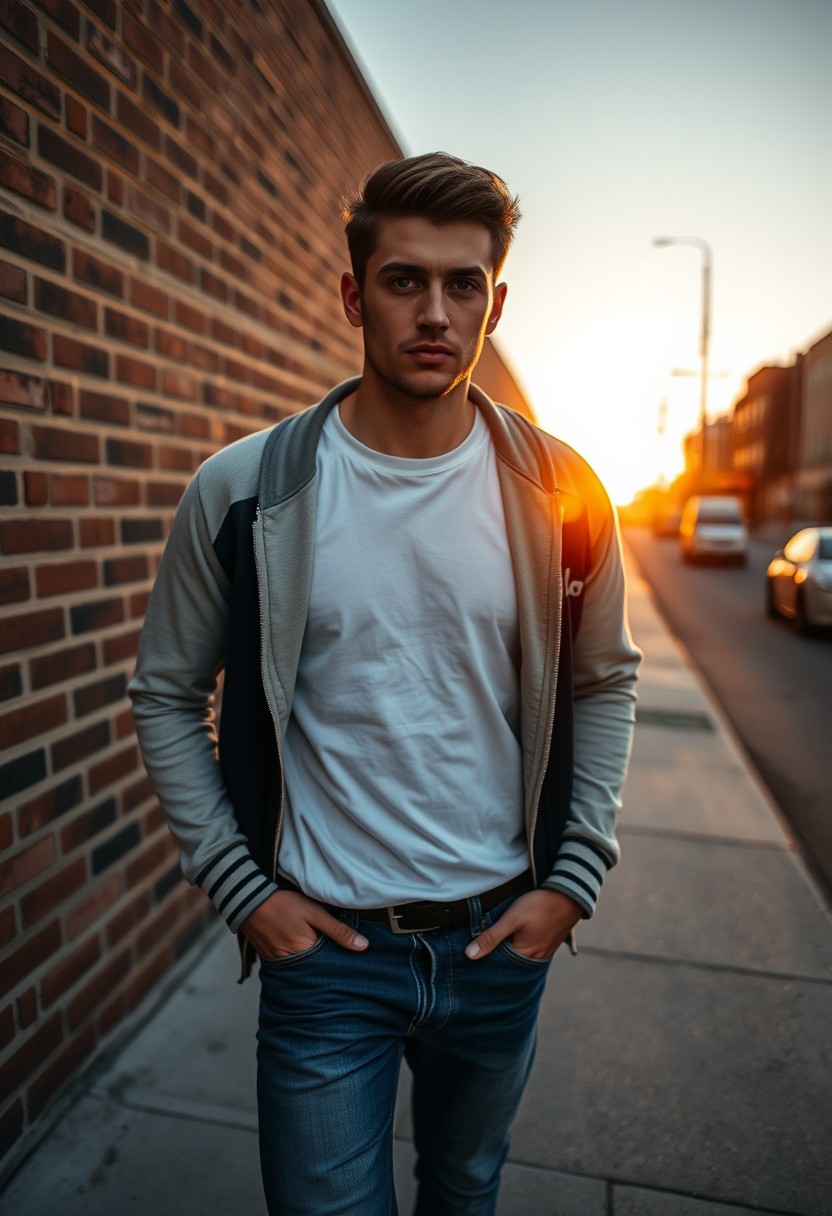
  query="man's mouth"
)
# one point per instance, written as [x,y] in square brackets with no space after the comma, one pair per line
[430,352]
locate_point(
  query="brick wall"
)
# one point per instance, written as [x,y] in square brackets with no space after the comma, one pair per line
[169,258]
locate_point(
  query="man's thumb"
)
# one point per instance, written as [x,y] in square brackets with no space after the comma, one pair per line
[486,941]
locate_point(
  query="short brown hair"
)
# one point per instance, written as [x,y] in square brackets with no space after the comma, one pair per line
[437,186]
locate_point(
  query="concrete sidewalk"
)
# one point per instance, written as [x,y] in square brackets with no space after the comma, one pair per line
[684,1063]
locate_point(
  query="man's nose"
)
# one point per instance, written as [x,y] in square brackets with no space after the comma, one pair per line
[433,313]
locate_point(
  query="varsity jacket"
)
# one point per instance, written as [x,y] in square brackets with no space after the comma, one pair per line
[231,598]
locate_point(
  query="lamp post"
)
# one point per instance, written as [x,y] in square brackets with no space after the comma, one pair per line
[705,333]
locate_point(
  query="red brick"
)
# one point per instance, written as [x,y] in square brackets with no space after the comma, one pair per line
[20,22]
[137,120]
[171,345]
[163,180]
[38,1046]
[112,55]
[30,720]
[65,14]
[12,283]
[125,727]
[164,493]
[80,357]
[20,76]
[56,443]
[96,614]
[8,926]
[126,328]
[174,262]
[35,535]
[48,806]
[78,208]
[24,179]
[58,301]
[83,828]
[151,299]
[6,834]
[65,578]
[127,918]
[14,585]
[109,771]
[205,359]
[98,274]
[194,239]
[65,1065]
[29,956]
[117,570]
[27,1008]
[190,317]
[68,971]
[187,164]
[29,862]
[129,453]
[148,208]
[19,389]
[138,37]
[115,188]
[92,908]
[96,696]
[135,372]
[56,890]
[113,144]
[69,156]
[11,686]
[120,648]
[212,285]
[36,488]
[61,665]
[76,116]
[77,71]
[137,793]
[103,407]
[22,339]
[97,990]
[97,531]
[32,629]
[159,19]
[79,746]
[70,489]
[63,396]
[115,491]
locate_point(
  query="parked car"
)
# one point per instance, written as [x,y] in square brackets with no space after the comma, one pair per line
[713,526]
[799,579]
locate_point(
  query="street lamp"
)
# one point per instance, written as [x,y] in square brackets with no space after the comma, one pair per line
[705,335]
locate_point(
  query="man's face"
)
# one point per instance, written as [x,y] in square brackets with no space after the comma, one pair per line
[427,304]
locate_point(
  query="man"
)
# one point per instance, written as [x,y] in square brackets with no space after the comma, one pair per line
[418,603]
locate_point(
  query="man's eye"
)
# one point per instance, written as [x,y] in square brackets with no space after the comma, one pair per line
[401,282]
[465,285]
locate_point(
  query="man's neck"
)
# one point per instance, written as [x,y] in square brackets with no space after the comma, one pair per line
[398,425]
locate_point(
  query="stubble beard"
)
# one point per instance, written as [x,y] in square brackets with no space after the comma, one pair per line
[413,386]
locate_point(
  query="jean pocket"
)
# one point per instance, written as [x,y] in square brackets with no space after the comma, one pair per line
[523,959]
[286,960]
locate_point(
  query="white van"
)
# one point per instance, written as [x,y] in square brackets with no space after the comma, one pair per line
[713,527]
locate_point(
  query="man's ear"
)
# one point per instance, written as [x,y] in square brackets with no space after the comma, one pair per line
[496,308]
[351,299]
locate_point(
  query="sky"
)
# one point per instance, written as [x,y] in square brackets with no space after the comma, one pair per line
[617,121]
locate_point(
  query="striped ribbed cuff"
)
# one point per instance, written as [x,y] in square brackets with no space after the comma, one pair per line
[579,871]
[235,884]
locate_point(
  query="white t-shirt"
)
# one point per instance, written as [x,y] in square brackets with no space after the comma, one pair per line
[402,761]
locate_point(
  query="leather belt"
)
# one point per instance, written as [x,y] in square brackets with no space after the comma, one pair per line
[425,915]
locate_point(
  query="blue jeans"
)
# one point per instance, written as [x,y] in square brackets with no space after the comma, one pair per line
[334,1026]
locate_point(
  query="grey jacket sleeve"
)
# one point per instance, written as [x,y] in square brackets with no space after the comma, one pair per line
[180,657]
[605,667]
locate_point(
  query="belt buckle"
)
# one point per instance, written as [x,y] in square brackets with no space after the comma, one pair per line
[393,918]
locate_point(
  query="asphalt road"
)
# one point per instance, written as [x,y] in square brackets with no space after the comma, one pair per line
[773,686]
